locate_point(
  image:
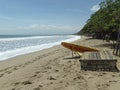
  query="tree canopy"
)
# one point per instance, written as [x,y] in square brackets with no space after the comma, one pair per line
[106,19]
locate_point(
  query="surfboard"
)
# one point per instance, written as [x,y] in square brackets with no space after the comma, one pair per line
[78,48]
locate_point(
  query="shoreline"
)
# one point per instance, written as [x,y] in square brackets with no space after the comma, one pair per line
[32,54]
[31,49]
[54,69]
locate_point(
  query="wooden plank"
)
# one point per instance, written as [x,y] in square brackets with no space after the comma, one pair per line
[100,61]
[102,55]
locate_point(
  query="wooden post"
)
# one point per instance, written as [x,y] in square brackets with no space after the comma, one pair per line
[117,47]
[119,36]
[72,53]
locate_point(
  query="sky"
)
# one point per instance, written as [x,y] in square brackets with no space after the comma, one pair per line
[45,16]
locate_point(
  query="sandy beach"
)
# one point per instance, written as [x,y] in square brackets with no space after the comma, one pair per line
[54,69]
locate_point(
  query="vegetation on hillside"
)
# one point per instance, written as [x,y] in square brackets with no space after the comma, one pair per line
[105,20]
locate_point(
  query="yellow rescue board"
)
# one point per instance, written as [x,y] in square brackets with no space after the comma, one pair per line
[78,48]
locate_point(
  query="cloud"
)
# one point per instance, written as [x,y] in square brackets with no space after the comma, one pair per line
[95,8]
[5,17]
[50,29]
[42,29]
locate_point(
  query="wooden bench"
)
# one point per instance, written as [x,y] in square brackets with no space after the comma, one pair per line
[98,61]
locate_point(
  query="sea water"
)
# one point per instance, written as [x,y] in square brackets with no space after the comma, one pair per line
[13,45]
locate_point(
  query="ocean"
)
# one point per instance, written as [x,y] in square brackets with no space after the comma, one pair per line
[15,45]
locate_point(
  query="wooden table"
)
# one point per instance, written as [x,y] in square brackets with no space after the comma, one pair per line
[98,61]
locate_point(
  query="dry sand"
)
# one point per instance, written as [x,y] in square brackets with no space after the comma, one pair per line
[54,69]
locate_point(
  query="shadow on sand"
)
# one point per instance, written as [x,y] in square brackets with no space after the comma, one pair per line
[109,45]
[75,57]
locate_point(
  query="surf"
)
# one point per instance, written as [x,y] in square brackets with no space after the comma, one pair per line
[12,47]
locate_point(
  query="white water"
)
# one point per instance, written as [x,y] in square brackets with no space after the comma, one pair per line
[11,47]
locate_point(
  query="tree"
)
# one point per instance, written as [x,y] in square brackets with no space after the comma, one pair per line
[105,19]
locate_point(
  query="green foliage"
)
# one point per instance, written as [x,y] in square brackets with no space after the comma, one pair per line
[106,19]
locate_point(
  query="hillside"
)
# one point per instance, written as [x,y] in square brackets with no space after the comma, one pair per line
[105,20]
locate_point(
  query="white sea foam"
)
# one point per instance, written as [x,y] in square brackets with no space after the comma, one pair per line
[25,50]
[25,38]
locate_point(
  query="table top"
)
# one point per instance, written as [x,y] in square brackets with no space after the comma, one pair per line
[101,55]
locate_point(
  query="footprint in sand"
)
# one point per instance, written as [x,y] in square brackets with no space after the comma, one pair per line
[100,75]
[17,83]
[56,70]
[79,77]
[113,81]
[61,82]
[13,89]
[49,67]
[51,78]
[1,75]
[37,72]
[102,86]
[113,75]
[38,88]
[33,76]
[8,72]
[26,82]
